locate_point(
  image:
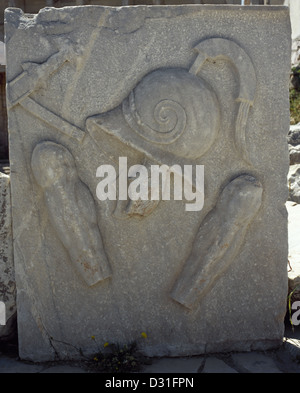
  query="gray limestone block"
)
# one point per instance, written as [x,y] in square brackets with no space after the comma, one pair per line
[98,99]
[294,135]
[293,180]
[8,307]
[294,154]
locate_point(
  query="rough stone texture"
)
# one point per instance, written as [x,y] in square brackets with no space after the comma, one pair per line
[295,58]
[294,144]
[12,366]
[255,363]
[294,154]
[186,85]
[294,183]
[294,135]
[175,365]
[7,274]
[212,364]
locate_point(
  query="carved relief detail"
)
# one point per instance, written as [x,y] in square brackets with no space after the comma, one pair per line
[71,210]
[175,111]
[168,115]
[31,79]
[171,113]
[220,48]
[218,239]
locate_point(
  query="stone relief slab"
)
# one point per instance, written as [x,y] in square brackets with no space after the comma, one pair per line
[102,102]
[8,306]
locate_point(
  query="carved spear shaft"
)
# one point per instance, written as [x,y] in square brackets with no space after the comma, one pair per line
[20,88]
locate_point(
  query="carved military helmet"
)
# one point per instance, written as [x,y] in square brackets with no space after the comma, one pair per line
[173,108]
[169,110]
[175,111]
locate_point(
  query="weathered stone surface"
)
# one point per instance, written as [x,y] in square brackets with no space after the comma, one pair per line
[175,365]
[255,363]
[175,85]
[213,365]
[294,144]
[294,183]
[64,369]
[13,366]
[7,274]
[294,154]
[294,135]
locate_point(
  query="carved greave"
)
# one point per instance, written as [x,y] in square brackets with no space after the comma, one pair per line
[219,239]
[71,210]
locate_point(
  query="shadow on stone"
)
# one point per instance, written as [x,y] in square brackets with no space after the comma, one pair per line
[9,342]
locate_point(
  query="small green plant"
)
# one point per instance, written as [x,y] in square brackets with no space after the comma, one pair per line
[116,358]
[295,106]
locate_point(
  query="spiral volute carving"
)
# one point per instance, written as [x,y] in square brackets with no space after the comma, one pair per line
[168,120]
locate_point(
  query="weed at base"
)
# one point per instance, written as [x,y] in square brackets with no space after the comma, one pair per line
[119,359]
